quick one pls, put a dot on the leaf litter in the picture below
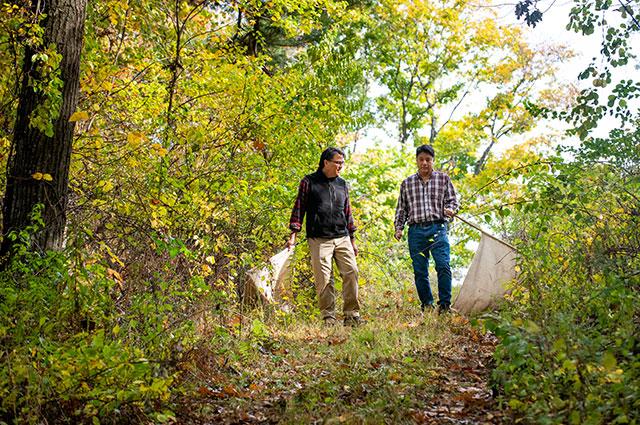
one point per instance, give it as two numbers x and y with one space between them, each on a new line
399 369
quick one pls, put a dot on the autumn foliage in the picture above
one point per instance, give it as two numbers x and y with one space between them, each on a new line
195 121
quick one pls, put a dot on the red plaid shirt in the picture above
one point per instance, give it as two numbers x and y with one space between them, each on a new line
420 201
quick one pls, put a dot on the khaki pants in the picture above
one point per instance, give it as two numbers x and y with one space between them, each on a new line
322 252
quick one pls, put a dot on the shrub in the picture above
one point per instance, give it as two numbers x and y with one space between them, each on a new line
570 344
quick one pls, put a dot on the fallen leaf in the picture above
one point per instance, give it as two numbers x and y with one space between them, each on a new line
235 321
114 275
207 392
258 145
230 391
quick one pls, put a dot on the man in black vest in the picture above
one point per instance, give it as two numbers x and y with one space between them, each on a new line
324 197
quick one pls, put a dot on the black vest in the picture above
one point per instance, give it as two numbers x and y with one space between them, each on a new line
325 206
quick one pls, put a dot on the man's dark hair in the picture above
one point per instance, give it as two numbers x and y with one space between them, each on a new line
328 155
426 149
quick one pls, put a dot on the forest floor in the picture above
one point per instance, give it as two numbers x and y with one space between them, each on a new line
399 367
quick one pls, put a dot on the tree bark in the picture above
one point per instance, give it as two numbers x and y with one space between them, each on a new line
434 132
483 159
34 152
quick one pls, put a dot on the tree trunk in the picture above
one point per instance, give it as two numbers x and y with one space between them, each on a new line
434 133
32 151
483 159
403 135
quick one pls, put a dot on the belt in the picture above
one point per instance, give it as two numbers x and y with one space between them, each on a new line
429 223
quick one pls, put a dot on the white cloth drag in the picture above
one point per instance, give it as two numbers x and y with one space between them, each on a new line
492 267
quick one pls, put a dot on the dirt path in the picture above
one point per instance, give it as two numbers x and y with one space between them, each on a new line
464 395
399 369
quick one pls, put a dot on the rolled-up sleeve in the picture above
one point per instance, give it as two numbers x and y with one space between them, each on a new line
450 197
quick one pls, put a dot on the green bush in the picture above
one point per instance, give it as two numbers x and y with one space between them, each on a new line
81 345
570 344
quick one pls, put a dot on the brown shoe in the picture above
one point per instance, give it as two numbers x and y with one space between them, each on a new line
329 322
354 321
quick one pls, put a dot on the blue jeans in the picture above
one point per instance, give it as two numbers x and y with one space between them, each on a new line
425 239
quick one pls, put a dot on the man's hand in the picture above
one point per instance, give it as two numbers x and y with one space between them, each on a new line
355 248
398 234
449 213
292 241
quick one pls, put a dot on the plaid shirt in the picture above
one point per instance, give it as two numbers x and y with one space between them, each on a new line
300 208
420 201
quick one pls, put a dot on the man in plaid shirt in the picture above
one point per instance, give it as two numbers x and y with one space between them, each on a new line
427 199
324 197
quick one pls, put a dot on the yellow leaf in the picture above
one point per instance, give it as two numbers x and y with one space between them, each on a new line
37 176
47 177
105 185
615 376
135 138
159 149
106 85
116 330
79 116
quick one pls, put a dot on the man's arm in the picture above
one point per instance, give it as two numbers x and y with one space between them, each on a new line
401 213
351 226
450 199
298 211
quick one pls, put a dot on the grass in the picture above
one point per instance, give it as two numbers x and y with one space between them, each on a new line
400 367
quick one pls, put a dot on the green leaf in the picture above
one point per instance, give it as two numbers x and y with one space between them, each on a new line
609 361
532 327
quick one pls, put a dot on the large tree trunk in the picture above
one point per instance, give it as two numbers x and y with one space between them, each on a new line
34 152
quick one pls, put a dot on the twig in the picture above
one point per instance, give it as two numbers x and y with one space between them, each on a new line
626 8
